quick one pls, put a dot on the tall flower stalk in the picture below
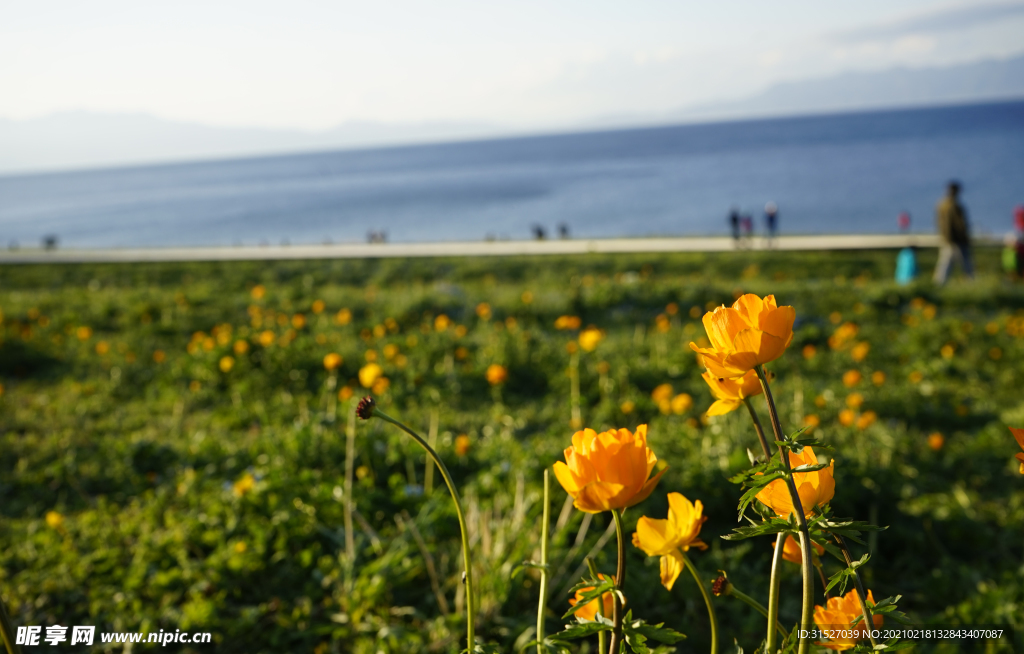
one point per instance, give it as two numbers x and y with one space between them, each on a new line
7 630
368 409
545 528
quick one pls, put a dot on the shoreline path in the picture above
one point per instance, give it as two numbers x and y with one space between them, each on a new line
464 249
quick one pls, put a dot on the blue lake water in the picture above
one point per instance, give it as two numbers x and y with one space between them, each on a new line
848 173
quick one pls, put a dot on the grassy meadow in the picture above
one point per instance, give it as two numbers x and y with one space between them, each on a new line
173 450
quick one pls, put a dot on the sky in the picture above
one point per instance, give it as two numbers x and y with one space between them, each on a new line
525 65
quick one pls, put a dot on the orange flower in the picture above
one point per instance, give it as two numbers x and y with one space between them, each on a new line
847 417
730 393
814 488
851 378
809 351
662 393
837 616
496 374
681 403
665 538
589 612
860 351
936 440
854 400
567 322
1018 434
226 364
867 419
749 333
332 360
608 471
462 444
878 378
792 552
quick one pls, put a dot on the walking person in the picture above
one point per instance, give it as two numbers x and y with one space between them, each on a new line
734 223
951 221
771 220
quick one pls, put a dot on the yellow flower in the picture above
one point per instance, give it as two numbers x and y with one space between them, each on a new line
837 616
730 393
854 400
567 322
867 419
627 407
258 291
936 440
332 360
159 356
298 321
681 403
847 417
608 471
809 351
496 374
380 386
241 347
266 338
1018 434
343 317
462 444
814 488
662 393
370 373
792 552
483 311
345 393
749 333
878 378
226 364
851 378
665 538
589 338
860 351
54 520
318 306
589 611
244 484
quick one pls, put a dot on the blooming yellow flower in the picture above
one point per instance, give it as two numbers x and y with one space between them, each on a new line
442 322
854 400
681 403
809 351
567 322
332 360
380 386
662 393
589 611
608 471
878 378
814 488
837 616
751 332
851 378
370 373
54 520
936 440
589 338
244 484
462 444
241 347
343 317
1018 434
860 351
318 306
483 311
867 419
792 552
730 393
266 338
669 538
226 364
496 374
345 393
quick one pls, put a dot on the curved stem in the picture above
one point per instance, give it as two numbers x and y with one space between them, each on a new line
620 578
464 532
758 429
807 608
707 601
859 585
7 630
601 635
754 604
545 522
773 594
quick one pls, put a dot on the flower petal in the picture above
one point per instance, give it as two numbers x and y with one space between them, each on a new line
722 407
598 496
671 565
647 488
655 537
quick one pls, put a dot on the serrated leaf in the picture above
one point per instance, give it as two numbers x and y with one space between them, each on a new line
597 590
581 630
658 632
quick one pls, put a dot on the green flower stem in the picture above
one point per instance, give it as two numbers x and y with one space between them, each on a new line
859 585
574 390
773 594
620 578
464 532
760 431
350 462
707 601
545 522
601 636
754 604
807 609
7 630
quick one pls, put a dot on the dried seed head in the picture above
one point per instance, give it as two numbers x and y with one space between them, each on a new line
365 408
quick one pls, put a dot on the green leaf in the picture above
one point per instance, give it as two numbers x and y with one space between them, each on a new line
657 632
581 630
811 467
768 527
528 564
597 589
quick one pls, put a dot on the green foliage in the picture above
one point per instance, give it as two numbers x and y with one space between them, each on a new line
206 499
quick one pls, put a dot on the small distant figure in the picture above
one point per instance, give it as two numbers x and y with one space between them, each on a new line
563 231
373 236
747 227
906 265
951 220
771 221
734 224
539 233
903 222
50 242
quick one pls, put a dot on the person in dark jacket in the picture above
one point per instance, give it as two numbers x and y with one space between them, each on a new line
954 232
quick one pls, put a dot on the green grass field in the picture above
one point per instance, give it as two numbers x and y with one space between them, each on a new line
147 482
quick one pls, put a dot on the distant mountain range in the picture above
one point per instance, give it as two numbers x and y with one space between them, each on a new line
81 139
